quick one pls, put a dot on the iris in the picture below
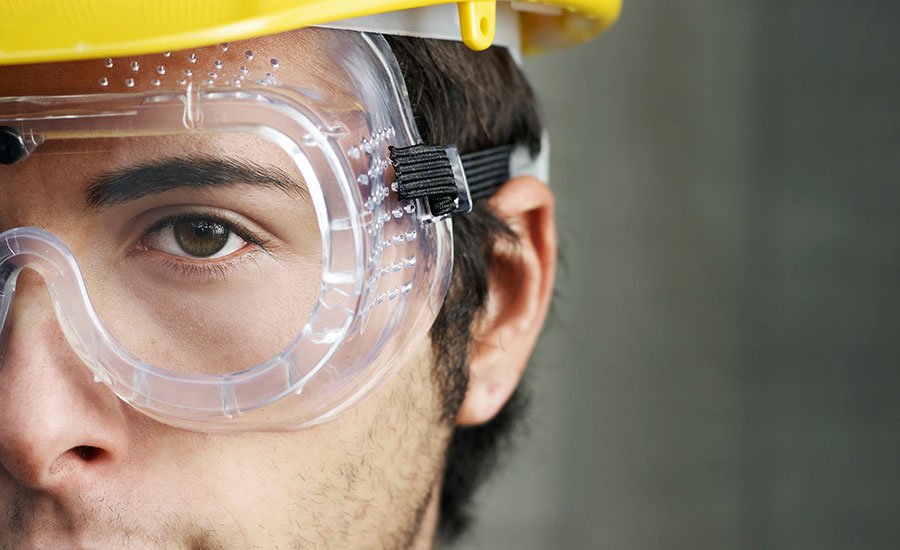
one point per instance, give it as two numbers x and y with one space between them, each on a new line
201 238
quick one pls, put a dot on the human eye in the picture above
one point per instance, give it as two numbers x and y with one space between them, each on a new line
200 238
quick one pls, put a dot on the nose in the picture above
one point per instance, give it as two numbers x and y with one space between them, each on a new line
58 428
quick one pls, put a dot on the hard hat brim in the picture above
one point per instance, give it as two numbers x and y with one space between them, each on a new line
88 29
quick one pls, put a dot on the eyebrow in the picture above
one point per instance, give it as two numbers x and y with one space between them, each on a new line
132 183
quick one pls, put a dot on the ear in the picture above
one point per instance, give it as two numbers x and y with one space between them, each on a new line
521 285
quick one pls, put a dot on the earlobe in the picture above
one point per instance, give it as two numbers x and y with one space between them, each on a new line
521 285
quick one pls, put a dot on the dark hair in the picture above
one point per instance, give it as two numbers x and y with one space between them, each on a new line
475 100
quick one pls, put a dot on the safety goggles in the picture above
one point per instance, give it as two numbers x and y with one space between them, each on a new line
267 237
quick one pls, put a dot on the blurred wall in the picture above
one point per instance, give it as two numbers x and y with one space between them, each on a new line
723 370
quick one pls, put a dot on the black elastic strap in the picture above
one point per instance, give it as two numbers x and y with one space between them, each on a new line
486 170
425 171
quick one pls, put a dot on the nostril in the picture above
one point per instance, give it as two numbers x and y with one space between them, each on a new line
74 460
86 452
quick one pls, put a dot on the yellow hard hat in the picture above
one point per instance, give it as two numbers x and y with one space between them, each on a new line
62 30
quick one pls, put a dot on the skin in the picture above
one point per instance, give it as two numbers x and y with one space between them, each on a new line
79 468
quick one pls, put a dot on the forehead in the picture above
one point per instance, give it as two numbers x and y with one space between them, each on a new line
307 58
304 56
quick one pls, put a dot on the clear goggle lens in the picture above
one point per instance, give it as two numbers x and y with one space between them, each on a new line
238 255
205 253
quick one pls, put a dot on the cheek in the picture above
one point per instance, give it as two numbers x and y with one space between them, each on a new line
361 477
203 331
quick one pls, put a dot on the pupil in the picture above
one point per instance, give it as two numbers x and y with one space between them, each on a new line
201 238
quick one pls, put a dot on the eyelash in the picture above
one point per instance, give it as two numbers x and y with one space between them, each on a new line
208 268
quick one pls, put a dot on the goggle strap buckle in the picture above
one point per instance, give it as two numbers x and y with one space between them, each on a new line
434 173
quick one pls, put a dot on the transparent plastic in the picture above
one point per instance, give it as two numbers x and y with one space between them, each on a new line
384 270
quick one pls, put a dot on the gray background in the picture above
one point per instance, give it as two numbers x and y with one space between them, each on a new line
724 367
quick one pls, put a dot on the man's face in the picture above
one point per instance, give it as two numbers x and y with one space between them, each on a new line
80 467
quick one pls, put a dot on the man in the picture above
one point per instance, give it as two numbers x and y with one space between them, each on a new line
229 318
